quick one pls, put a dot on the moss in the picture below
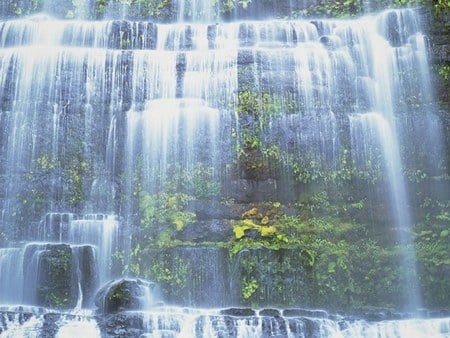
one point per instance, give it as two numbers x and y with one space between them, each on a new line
168 269
120 294
249 287
160 10
77 171
164 210
335 9
54 287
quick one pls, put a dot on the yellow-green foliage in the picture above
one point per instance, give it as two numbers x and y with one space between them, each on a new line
248 224
174 275
165 209
444 71
441 6
254 219
77 171
249 287
229 5
44 162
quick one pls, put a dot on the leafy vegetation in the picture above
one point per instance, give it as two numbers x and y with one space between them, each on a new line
444 71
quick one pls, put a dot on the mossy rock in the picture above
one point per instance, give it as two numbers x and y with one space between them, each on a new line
55 287
125 295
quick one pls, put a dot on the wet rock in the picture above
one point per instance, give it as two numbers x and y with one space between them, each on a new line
55 226
439 314
305 327
268 325
126 325
203 231
330 42
59 270
377 315
211 34
397 26
392 30
252 233
86 273
305 313
200 270
55 285
132 35
50 326
211 210
270 312
126 294
7 317
247 190
239 312
247 34
245 57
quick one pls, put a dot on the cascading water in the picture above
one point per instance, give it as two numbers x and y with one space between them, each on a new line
189 131
373 124
12 279
197 10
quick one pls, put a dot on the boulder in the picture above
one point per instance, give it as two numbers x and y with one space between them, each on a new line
54 285
60 270
126 294
238 312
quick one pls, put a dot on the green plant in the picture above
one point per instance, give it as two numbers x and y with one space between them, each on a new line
444 71
249 287
440 7
165 209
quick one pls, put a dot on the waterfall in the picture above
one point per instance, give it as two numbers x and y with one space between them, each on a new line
374 127
203 324
11 284
196 10
232 161
100 231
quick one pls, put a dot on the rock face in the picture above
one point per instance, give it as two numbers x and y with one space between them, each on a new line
59 275
126 294
86 273
124 325
207 276
254 181
54 286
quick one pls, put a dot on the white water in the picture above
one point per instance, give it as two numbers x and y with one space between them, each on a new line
71 328
99 230
179 322
178 91
103 233
196 10
20 267
14 328
321 66
11 281
32 325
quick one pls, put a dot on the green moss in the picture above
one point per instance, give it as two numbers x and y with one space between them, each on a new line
160 10
58 300
77 171
165 209
335 9
249 287
444 71
240 228
53 284
227 6
120 294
